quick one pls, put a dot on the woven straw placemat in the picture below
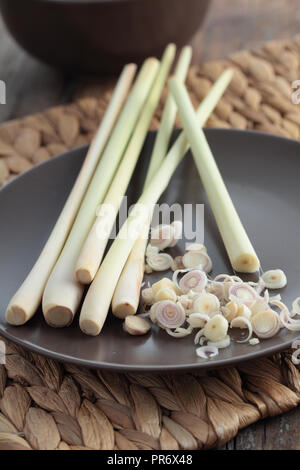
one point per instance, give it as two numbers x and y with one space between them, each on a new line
47 405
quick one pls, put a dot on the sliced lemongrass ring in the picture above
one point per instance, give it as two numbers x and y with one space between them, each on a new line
220 344
162 236
223 278
153 312
177 226
197 320
206 303
296 307
206 352
160 262
216 328
244 293
236 279
274 279
242 322
147 296
216 288
193 280
196 259
288 322
151 251
179 332
296 354
198 336
195 247
266 324
260 305
136 325
176 274
169 314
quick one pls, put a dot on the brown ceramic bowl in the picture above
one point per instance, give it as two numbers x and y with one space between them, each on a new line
101 35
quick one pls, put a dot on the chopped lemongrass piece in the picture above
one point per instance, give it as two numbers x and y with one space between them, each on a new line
177 151
224 343
296 307
274 279
186 302
98 298
160 262
244 311
164 283
198 320
26 300
207 352
242 322
195 247
159 152
148 270
136 325
216 328
193 280
177 263
151 251
206 303
266 324
147 296
179 332
240 251
296 354
63 293
177 226
166 294
243 293
254 341
94 246
162 236
197 259
230 310
169 314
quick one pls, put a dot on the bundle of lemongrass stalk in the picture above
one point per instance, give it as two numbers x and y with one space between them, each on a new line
74 253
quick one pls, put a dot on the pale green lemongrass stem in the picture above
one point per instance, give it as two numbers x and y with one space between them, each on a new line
26 300
126 297
97 302
63 293
238 246
94 246
164 133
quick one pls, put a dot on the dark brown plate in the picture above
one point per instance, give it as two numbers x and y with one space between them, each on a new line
262 174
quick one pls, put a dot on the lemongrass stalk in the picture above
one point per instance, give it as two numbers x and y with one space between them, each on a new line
94 246
97 302
162 140
126 297
238 246
63 293
26 300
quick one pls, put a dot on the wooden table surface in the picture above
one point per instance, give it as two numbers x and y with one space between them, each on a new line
230 25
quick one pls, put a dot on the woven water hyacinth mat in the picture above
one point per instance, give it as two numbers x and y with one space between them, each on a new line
47 405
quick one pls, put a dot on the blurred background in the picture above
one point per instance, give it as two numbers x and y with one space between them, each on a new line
227 26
